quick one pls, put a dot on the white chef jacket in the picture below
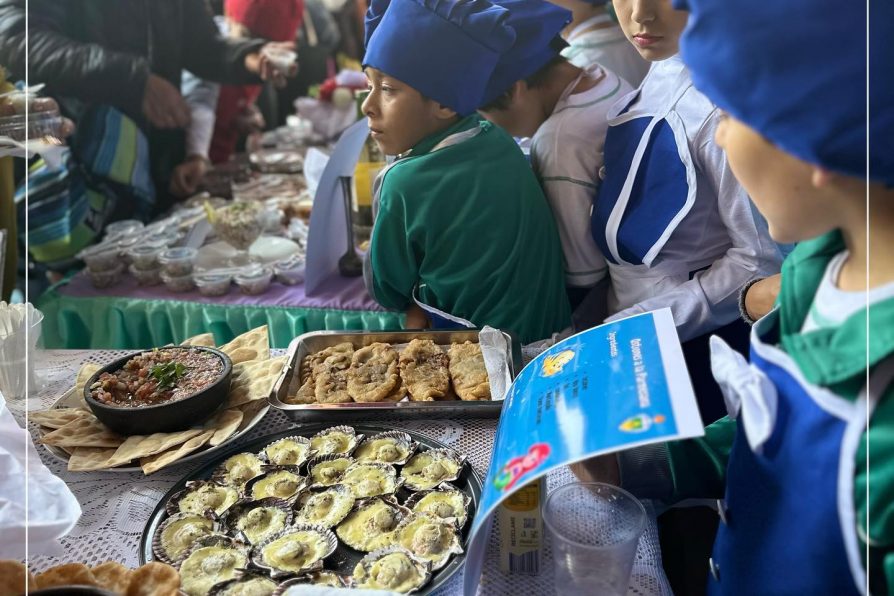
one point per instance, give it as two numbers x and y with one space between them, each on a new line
566 154
721 244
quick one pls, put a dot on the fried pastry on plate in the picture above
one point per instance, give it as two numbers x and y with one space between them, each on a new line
423 369
468 372
373 375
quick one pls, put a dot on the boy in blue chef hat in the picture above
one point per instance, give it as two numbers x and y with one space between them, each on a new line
462 228
594 37
804 510
535 92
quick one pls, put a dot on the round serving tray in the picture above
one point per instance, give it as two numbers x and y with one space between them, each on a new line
344 559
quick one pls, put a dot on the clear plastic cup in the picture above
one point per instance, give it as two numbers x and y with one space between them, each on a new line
101 257
178 261
595 529
147 276
254 280
105 278
145 256
177 283
124 227
15 378
290 272
281 58
212 284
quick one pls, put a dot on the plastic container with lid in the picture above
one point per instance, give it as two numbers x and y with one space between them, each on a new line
177 283
254 280
212 284
290 272
101 257
107 277
43 116
124 227
178 261
145 256
146 277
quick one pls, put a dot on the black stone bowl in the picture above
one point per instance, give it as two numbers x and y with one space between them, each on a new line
167 417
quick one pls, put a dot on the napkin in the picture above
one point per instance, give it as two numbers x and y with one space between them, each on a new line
51 510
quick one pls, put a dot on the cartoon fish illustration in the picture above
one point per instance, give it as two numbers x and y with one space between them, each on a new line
553 364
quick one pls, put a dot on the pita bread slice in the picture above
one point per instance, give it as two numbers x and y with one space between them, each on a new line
253 380
139 446
223 425
57 417
85 431
154 463
112 576
88 459
250 410
254 345
205 339
87 371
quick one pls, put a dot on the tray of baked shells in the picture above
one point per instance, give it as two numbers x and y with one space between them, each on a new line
357 507
349 375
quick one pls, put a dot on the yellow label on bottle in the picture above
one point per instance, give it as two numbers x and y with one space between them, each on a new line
364 176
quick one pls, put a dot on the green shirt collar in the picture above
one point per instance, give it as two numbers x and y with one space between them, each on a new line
828 356
428 143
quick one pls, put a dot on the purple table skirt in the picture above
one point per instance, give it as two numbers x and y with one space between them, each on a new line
339 293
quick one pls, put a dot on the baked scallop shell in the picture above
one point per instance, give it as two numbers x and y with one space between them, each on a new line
446 502
249 583
211 560
201 496
370 526
428 538
238 469
327 470
176 535
298 549
393 447
288 451
281 482
255 521
341 440
392 568
428 469
371 479
326 507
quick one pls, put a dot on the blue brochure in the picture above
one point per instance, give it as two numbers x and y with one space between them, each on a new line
617 386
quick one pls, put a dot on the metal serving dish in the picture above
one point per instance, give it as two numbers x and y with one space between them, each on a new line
309 343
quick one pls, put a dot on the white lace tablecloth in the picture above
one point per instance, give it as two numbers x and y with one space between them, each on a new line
116 506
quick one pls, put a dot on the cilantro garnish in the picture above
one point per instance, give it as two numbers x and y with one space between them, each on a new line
167 374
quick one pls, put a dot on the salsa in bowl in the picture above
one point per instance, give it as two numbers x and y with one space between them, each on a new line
161 390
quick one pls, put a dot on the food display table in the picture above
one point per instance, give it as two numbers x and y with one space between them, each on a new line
129 316
117 505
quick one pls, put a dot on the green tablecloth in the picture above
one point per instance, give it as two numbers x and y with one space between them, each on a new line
78 317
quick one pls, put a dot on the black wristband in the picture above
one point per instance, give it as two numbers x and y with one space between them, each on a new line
743 312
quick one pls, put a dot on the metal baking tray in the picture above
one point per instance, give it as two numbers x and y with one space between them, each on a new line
309 343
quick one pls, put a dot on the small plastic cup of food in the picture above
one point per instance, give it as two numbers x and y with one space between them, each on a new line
146 277
289 272
177 283
282 59
145 256
106 278
254 281
43 116
124 227
178 261
101 257
212 284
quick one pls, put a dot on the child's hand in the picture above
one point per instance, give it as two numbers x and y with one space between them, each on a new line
416 318
598 469
761 296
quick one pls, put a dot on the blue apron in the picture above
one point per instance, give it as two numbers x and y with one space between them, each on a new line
649 185
788 522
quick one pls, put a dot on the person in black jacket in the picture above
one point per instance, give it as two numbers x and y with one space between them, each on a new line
129 54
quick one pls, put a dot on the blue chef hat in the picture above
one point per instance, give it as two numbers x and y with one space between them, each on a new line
795 71
445 49
537 26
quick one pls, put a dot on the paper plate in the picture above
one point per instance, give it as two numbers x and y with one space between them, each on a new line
266 249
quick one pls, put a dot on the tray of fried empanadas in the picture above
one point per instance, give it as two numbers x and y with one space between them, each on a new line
427 374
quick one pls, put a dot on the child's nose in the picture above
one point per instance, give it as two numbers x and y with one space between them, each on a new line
643 11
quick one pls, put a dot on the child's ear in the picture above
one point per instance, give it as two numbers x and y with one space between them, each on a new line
442 112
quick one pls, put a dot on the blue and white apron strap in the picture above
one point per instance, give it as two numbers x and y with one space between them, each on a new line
439 318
